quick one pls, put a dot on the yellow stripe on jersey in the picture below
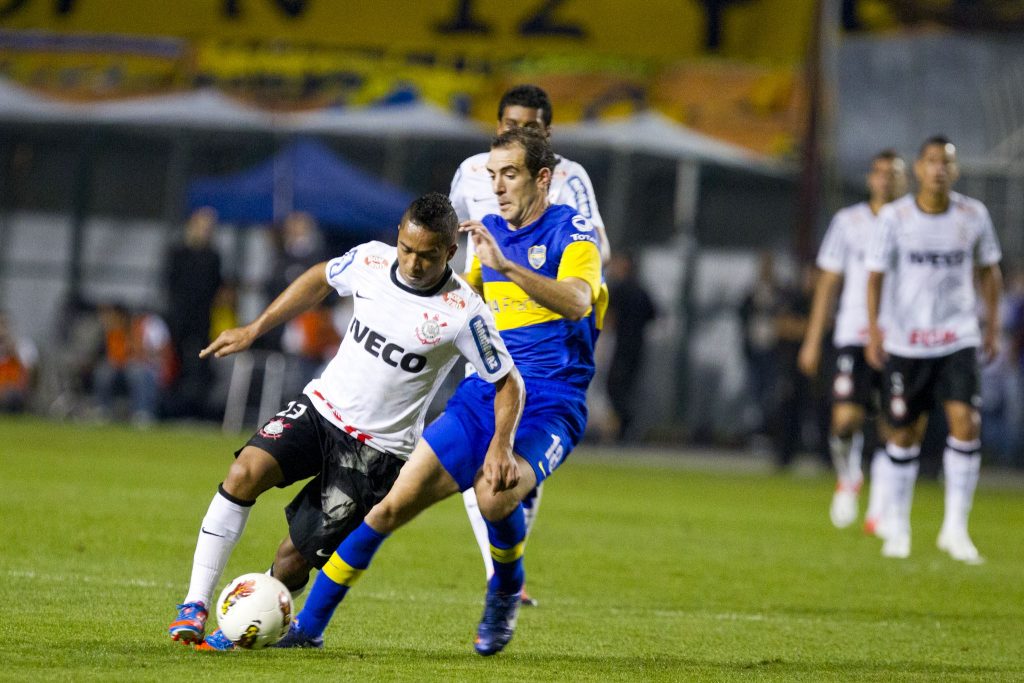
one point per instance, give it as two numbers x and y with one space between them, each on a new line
475 274
341 572
506 555
514 308
583 260
601 306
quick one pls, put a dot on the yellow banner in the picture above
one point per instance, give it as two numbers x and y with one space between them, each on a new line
772 31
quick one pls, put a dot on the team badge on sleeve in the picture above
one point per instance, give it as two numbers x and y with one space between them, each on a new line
537 255
581 224
454 300
376 262
339 264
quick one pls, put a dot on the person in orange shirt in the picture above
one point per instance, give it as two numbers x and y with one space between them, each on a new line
138 355
14 372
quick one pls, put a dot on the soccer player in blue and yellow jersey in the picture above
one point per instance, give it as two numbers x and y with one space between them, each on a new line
539 268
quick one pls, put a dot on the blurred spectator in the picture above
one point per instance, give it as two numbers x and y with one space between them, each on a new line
630 310
760 338
313 340
301 247
138 356
17 362
78 347
1002 393
193 279
799 405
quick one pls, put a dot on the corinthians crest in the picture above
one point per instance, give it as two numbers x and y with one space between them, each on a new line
537 255
429 331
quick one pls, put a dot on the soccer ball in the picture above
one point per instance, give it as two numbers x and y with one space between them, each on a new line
254 611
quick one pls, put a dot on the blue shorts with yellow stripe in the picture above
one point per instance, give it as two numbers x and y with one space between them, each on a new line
554 418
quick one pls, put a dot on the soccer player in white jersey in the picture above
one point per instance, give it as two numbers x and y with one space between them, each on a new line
855 384
522 106
353 427
933 246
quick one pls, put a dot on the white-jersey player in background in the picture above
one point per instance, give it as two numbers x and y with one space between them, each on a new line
855 384
933 246
523 106
353 427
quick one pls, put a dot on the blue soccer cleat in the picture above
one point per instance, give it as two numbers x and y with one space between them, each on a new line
215 642
190 624
296 637
498 623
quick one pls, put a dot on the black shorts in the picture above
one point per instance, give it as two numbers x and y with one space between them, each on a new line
349 477
914 386
854 381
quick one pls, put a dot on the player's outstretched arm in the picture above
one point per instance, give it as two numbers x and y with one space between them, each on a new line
570 297
500 470
306 291
821 309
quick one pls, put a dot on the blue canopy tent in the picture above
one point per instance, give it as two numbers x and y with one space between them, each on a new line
304 176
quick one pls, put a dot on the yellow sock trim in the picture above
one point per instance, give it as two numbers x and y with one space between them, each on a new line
341 572
506 555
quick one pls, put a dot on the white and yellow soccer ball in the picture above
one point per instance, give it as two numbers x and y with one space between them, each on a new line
254 611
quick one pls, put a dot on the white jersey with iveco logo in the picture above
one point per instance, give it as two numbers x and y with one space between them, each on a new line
842 251
931 259
398 348
473 198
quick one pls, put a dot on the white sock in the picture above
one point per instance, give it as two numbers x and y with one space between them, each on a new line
476 520
961 462
880 469
531 506
839 448
222 526
856 455
903 470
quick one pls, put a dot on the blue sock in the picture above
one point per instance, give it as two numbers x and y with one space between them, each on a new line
332 583
508 540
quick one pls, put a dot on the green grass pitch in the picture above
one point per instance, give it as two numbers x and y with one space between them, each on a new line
645 570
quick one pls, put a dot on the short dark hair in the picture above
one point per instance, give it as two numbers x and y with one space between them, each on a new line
887 154
527 96
536 145
940 140
435 213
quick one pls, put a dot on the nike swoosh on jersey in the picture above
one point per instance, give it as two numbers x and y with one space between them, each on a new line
321 553
210 533
482 199
361 296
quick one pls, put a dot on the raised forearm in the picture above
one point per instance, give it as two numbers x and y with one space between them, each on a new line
304 293
570 297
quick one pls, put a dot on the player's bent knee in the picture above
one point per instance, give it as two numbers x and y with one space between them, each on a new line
964 421
253 472
847 419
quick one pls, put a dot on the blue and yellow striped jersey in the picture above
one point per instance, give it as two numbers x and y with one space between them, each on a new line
558 245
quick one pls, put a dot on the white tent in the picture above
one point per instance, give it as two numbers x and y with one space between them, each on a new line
654 133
